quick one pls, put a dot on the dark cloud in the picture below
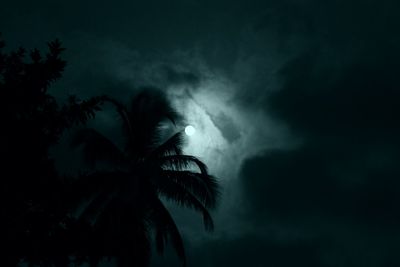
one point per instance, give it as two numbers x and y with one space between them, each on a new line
316 181
258 251
348 25
252 251
344 173
174 76
227 126
339 97
336 35
329 99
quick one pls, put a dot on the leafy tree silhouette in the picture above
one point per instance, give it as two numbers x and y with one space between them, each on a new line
124 207
33 205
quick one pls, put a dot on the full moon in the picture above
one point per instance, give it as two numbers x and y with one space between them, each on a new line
190 130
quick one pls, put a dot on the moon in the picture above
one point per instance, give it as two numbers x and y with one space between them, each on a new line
190 130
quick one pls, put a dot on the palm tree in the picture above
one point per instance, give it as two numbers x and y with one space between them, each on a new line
124 206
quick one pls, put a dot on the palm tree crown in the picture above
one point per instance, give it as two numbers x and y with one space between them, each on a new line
124 204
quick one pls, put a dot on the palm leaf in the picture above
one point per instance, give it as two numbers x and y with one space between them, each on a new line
151 107
98 188
203 186
173 146
124 113
179 194
166 228
182 162
96 205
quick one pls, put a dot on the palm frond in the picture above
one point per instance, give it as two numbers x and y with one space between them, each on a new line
165 229
177 193
173 146
127 233
124 113
203 186
98 189
97 147
182 162
151 107
96 205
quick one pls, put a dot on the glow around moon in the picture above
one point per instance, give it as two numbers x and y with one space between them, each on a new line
208 143
190 130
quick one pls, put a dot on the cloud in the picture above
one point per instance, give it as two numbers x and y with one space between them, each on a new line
252 251
317 181
324 98
257 251
227 127
339 98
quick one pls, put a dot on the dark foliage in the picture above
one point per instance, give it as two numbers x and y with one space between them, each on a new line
124 205
34 207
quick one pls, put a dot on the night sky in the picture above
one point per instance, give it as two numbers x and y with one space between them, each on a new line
295 105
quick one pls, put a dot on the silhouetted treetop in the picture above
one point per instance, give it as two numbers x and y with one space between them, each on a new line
147 169
33 197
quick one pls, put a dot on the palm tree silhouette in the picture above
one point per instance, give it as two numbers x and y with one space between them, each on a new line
124 206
